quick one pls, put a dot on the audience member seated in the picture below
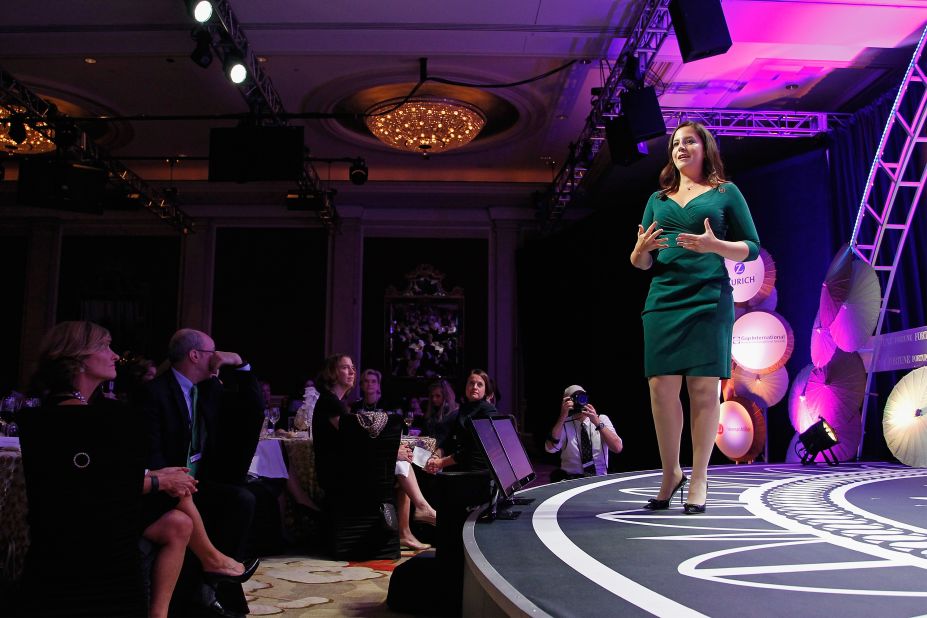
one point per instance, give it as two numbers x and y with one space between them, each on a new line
408 493
441 405
210 425
85 476
355 465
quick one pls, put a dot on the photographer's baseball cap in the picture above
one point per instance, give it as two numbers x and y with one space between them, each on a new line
568 392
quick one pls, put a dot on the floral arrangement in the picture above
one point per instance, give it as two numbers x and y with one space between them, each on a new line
304 414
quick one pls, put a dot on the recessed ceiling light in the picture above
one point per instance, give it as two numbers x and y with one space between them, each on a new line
791 86
262 58
89 60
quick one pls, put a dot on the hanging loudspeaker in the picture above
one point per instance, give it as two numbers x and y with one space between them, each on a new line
700 28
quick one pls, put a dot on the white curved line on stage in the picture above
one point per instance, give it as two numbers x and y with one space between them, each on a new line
753 502
723 576
549 532
839 496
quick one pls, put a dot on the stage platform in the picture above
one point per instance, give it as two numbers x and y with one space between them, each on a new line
776 540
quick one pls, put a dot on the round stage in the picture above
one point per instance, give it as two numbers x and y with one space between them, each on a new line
776 540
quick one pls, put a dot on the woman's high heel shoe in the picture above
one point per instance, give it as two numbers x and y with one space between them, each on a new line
655 504
694 509
250 568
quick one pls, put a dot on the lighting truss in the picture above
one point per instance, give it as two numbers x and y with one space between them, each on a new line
901 180
649 32
15 93
647 36
755 123
258 91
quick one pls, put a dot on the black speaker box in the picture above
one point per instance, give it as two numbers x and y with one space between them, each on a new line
700 28
640 120
50 182
246 154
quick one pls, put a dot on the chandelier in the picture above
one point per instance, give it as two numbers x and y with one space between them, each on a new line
425 124
18 137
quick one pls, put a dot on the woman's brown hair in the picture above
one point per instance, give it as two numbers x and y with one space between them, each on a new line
329 374
62 353
712 167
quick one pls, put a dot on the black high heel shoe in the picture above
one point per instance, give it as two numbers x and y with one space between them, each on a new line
694 509
655 504
250 568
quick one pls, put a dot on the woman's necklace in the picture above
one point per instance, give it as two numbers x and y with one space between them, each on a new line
79 396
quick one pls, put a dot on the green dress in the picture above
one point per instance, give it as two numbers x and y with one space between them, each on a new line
689 313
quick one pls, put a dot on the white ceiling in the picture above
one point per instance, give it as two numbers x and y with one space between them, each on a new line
319 52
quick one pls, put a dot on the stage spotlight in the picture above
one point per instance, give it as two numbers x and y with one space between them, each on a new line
201 10
819 438
202 55
358 171
17 129
235 68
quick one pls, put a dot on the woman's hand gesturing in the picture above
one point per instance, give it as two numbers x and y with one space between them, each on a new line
649 239
700 243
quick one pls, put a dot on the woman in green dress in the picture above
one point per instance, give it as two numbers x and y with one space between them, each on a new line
690 226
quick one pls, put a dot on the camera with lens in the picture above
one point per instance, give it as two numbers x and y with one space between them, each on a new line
580 399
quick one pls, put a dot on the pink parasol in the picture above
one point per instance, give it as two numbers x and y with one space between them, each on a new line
904 422
765 389
822 344
850 300
834 392
765 304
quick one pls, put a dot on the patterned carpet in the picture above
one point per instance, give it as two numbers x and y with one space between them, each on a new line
293 586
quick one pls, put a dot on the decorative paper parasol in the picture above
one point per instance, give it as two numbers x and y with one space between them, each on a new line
834 392
905 419
762 341
765 304
850 299
765 389
822 344
741 430
754 280
848 436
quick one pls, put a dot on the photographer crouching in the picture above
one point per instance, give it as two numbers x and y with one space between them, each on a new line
582 437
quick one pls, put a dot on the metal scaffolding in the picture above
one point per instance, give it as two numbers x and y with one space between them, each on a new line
894 190
263 101
18 99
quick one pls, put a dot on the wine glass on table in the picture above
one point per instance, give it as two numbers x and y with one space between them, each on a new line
273 415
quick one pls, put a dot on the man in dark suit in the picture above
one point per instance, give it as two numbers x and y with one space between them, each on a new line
205 413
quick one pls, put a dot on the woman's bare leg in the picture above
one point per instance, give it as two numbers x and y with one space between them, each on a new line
667 420
409 485
172 533
705 411
213 560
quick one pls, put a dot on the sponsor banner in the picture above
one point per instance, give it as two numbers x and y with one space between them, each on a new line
735 430
905 349
761 341
746 278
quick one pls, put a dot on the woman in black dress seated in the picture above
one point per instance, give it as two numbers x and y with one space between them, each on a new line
461 453
83 459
